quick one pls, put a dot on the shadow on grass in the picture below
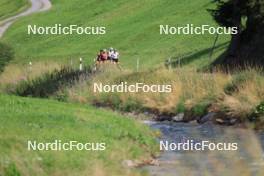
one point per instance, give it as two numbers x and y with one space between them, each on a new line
190 57
48 83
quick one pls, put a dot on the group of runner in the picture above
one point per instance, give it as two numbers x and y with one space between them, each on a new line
110 55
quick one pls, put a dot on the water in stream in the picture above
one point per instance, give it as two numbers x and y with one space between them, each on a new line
247 160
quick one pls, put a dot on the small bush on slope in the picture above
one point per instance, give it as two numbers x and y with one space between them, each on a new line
6 55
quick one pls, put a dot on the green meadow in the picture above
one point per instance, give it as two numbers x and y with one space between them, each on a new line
24 119
9 8
132 27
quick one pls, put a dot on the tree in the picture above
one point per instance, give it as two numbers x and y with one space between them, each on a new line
248 17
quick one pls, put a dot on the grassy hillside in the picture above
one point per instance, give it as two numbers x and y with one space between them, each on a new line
8 8
132 27
24 119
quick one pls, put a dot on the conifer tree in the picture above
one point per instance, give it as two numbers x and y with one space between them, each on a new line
248 17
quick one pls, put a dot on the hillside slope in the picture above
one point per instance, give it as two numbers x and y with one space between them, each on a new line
132 27
8 8
44 121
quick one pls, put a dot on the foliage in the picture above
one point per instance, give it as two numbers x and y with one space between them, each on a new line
48 83
246 46
260 109
180 108
11 170
238 80
258 113
228 11
6 54
200 108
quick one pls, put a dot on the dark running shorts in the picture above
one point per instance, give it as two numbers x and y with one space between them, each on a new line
115 60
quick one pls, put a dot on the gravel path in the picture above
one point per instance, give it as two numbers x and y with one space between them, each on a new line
36 6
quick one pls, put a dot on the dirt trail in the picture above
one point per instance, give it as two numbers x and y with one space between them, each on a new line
36 6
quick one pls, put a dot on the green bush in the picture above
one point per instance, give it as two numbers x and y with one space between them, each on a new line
180 107
6 54
200 109
115 101
131 105
238 80
257 113
260 108
61 95
49 83
257 117
11 170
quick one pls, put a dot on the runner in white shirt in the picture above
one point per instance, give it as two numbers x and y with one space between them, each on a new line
115 56
110 54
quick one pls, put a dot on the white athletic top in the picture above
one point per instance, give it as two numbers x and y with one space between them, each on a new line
110 53
115 55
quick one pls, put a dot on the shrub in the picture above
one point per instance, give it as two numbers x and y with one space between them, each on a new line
131 105
49 83
258 112
238 80
11 170
260 109
6 54
61 95
180 107
200 109
115 101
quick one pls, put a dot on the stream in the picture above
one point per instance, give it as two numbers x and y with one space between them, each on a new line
247 159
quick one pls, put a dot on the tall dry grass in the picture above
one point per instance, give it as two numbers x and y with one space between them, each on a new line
234 94
13 73
188 86
191 91
249 93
